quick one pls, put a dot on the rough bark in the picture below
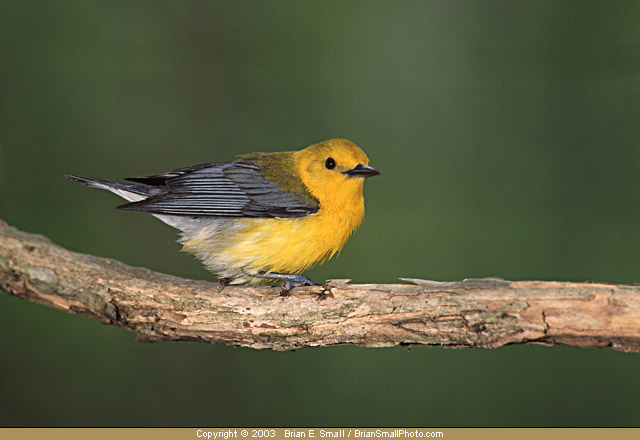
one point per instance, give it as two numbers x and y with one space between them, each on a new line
485 313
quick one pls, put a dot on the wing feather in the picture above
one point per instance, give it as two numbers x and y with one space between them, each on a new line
235 189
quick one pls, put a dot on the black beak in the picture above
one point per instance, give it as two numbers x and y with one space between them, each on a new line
362 171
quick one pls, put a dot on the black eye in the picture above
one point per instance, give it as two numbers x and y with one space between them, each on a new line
330 163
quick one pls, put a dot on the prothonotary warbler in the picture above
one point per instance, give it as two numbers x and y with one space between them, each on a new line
265 216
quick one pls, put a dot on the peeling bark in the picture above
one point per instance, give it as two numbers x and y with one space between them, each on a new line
484 313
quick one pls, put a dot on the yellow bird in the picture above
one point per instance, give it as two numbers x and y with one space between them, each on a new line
265 216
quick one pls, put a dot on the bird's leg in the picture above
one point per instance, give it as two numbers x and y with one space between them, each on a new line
289 281
296 279
222 283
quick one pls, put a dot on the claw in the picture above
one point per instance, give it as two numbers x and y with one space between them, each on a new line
222 283
285 288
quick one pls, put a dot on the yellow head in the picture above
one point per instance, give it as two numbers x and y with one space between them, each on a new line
334 172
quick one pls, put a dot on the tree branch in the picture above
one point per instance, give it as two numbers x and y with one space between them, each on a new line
483 313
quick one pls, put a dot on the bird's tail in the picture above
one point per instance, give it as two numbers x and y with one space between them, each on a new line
136 192
128 191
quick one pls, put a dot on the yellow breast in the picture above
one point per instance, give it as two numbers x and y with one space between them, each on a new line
294 244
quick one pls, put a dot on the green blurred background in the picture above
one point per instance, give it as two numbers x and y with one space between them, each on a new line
507 133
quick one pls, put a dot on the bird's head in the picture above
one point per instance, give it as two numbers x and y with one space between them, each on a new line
334 170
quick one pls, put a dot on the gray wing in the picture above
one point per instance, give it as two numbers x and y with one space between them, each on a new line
235 189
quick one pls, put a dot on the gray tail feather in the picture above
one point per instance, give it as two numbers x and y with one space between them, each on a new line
134 193
141 190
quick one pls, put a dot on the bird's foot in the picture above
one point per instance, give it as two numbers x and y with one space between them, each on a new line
285 288
289 281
